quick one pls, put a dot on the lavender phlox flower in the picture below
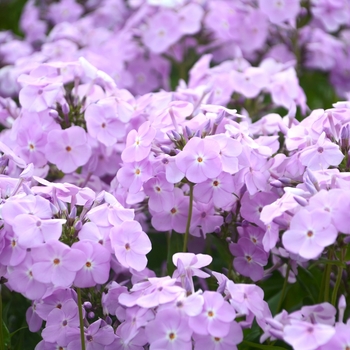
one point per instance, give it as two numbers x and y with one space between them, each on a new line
128 338
97 335
307 336
61 323
246 298
310 232
215 318
110 297
169 330
323 313
130 244
249 258
321 155
229 342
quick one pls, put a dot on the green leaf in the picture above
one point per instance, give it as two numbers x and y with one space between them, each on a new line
328 262
308 283
6 335
175 242
261 346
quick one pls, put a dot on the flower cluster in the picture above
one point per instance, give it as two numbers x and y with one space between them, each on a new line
97 165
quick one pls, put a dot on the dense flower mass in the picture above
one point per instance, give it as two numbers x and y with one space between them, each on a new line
164 183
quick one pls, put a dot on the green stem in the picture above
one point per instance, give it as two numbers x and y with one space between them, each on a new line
338 280
188 225
285 283
337 284
81 320
2 340
327 272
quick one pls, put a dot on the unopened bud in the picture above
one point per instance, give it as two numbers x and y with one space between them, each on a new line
282 223
62 205
313 179
54 209
27 173
91 314
53 113
166 149
170 135
176 135
189 132
197 134
65 108
217 230
300 200
220 117
285 180
108 320
78 225
276 183
87 305
73 213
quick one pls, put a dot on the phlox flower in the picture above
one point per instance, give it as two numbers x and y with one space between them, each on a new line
190 305
176 217
220 190
33 320
169 331
160 192
138 143
102 123
200 159
204 219
31 205
340 340
133 175
21 280
130 244
251 206
307 336
32 231
279 11
134 316
68 148
12 253
54 298
215 318
229 342
38 98
249 259
230 149
57 263
97 336
97 265
91 232
61 322
162 31
128 338
246 298
255 172
30 145
310 232
191 264
190 17
321 155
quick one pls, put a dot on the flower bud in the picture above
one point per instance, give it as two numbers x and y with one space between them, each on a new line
300 200
176 135
276 183
87 305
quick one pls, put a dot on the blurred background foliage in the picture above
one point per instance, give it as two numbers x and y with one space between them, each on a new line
10 13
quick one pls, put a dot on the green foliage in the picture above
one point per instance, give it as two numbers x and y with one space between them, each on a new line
10 12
